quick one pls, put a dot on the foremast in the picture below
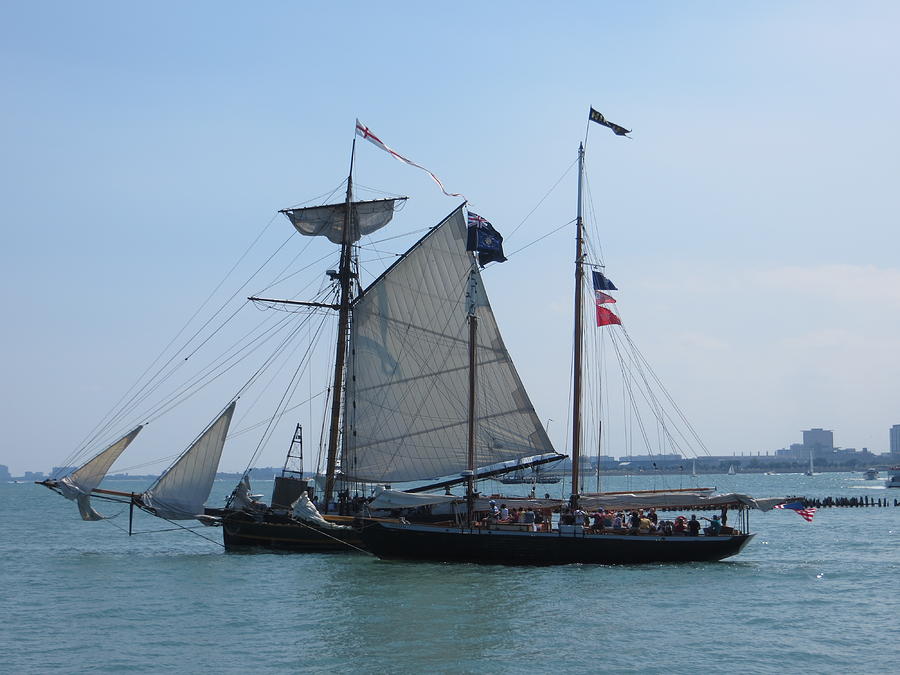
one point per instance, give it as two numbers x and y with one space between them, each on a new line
344 279
579 333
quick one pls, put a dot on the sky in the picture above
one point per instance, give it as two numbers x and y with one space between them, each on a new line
749 223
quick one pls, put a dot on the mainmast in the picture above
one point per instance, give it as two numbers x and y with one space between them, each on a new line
473 365
579 330
344 278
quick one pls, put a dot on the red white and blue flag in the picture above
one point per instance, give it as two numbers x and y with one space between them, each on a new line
604 316
802 511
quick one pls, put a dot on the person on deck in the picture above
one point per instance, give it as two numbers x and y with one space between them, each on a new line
580 517
693 526
645 525
635 520
504 514
680 525
528 517
714 527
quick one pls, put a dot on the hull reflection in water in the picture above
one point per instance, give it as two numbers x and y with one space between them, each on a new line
398 541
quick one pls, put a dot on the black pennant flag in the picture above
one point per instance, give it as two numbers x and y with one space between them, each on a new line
597 117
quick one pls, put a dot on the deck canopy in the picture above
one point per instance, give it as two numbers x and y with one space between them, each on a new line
397 499
675 500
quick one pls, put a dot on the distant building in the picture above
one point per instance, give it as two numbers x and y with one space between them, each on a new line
818 441
796 451
4 474
895 440
34 475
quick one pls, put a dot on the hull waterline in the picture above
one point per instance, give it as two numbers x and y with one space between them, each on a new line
395 541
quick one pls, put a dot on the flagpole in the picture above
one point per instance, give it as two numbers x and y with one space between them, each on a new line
344 274
579 331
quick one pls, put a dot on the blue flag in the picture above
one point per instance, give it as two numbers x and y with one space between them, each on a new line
601 283
484 240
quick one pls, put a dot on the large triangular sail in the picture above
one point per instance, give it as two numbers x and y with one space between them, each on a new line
407 393
77 485
328 221
181 492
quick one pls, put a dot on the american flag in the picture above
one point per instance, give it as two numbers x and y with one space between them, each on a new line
804 512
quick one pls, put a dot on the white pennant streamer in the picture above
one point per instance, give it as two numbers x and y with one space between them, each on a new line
363 130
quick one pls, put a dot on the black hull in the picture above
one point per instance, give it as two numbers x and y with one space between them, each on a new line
394 541
241 533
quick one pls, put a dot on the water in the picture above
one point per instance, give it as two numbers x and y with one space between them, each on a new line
814 597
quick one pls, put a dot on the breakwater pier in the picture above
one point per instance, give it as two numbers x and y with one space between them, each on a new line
846 502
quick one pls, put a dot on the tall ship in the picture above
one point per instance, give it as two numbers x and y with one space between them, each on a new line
397 395
477 536
423 394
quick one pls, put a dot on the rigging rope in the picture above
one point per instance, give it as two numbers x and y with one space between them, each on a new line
103 424
542 199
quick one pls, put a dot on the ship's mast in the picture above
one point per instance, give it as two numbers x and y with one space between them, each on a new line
344 278
579 330
473 373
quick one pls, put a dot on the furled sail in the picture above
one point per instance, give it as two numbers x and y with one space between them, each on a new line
181 492
407 394
243 499
328 221
77 485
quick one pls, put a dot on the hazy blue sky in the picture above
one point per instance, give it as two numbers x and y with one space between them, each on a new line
751 223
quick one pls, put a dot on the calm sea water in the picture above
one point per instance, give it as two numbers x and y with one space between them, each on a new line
819 597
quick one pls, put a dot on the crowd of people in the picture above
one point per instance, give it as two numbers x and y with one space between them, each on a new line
636 521
539 519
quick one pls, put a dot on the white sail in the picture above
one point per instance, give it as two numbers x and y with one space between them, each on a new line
181 492
77 485
407 394
328 221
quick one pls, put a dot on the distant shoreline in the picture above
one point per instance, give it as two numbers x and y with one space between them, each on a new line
266 474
